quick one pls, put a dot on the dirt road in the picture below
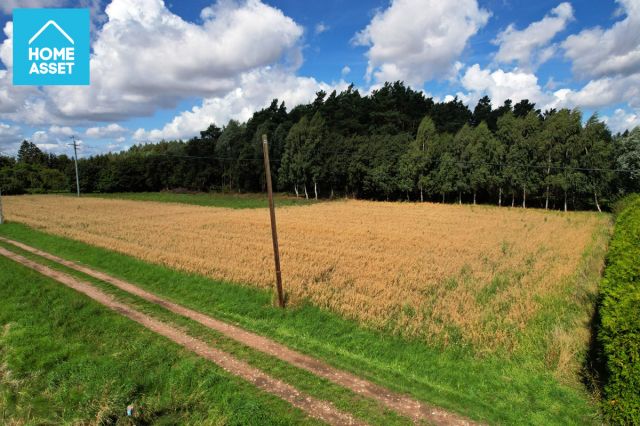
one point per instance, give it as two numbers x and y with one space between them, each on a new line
416 410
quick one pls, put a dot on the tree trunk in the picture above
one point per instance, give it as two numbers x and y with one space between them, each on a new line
443 198
460 197
546 199
524 198
500 197
421 195
295 188
513 199
331 196
315 189
474 198
306 194
565 201
408 198
595 197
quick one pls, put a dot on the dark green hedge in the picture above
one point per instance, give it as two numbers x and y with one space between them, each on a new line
619 332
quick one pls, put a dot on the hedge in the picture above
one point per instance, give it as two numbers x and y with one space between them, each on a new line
619 332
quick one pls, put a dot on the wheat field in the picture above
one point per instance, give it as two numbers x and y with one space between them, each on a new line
432 271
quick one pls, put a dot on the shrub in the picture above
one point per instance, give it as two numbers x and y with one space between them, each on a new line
619 331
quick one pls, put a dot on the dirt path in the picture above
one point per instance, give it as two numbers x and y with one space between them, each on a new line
316 408
416 410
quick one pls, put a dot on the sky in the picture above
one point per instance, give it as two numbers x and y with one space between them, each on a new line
168 69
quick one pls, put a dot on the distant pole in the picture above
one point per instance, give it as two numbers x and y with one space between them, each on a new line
75 156
272 212
1 214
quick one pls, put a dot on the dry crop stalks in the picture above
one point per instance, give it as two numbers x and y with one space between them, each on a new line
439 272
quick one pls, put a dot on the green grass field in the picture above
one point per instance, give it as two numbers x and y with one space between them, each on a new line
65 359
213 199
504 388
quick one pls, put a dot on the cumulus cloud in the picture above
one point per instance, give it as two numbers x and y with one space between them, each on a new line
501 85
607 91
256 90
419 40
530 47
518 84
622 120
113 130
10 137
61 131
597 52
145 58
7 6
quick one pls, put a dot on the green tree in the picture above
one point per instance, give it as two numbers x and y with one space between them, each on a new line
480 155
628 161
29 153
597 159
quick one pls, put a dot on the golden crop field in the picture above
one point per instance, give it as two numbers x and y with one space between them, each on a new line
433 271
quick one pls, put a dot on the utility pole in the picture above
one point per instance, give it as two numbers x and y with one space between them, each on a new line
75 156
1 213
272 212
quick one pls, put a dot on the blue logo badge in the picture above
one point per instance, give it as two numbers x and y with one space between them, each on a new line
51 47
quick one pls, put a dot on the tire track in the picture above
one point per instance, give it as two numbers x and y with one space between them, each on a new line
316 408
402 404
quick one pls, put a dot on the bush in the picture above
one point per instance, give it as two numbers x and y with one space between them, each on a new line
619 332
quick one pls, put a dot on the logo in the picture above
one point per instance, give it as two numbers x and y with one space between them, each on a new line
50 47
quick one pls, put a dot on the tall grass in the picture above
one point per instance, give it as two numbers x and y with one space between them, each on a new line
460 275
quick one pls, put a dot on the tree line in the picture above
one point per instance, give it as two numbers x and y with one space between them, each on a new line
394 144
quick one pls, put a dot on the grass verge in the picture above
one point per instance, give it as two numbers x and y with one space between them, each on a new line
65 359
304 381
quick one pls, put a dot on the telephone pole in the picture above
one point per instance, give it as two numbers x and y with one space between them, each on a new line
75 157
1 213
272 212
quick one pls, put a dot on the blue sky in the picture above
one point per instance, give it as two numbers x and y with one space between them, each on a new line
167 69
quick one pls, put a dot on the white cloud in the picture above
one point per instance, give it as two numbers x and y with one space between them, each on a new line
61 131
10 137
517 85
501 85
530 47
321 27
622 120
40 137
256 90
598 53
7 6
419 40
146 58
608 91
345 70
113 130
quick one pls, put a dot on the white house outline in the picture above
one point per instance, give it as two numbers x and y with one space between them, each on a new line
45 26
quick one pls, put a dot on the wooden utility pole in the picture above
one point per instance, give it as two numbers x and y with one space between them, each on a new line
75 156
272 212
1 213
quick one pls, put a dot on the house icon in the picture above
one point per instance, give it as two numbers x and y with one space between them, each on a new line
47 25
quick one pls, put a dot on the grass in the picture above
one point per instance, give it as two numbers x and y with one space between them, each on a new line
499 387
304 381
212 199
65 359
